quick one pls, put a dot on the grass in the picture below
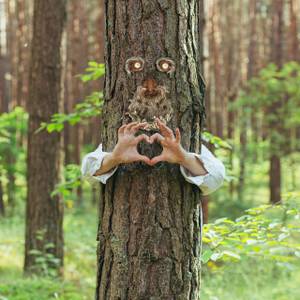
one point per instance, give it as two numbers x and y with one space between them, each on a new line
80 261
252 280
245 280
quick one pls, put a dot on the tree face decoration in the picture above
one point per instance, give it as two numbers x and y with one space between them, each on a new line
134 65
150 98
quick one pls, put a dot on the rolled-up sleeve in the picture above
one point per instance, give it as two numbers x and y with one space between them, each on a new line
210 182
92 162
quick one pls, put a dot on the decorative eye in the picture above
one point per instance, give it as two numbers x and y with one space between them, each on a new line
165 65
134 65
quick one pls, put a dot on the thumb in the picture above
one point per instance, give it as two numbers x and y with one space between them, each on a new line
144 158
157 159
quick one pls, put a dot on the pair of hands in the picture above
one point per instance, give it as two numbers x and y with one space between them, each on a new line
125 150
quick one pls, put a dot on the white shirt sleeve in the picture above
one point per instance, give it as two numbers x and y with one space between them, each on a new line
210 182
92 162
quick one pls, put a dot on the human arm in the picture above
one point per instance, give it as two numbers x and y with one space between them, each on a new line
93 162
100 165
203 170
215 175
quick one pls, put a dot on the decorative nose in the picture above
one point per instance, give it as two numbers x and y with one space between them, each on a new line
150 85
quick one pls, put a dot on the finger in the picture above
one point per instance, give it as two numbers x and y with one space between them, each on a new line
142 137
157 159
144 158
121 129
156 136
166 131
135 128
178 135
128 126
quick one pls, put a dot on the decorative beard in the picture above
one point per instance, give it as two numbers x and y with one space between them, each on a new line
149 103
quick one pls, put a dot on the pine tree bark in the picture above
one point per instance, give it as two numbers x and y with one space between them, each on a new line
44 213
251 71
2 206
293 32
277 40
3 108
150 217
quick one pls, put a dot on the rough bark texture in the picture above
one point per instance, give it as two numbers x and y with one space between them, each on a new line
2 207
150 217
3 108
44 213
251 71
277 39
293 32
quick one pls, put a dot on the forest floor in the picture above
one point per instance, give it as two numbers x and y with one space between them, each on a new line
247 280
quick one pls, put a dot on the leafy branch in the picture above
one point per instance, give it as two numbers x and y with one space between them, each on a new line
90 107
265 231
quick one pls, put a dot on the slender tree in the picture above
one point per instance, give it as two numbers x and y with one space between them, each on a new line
293 32
150 217
9 66
3 97
2 207
216 79
251 71
22 52
277 57
44 214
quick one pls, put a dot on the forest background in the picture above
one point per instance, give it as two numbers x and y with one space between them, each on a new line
251 66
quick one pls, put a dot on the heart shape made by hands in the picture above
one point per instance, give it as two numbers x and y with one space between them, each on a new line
151 150
161 146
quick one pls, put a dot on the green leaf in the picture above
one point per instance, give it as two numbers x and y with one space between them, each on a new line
35 252
51 127
49 246
206 256
216 256
283 236
232 254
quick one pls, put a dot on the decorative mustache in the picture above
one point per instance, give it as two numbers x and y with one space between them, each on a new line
149 103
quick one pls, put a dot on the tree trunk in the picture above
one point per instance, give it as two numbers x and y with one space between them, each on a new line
44 214
277 40
150 217
293 33
3 107
217 83
2 206
252 68
251 71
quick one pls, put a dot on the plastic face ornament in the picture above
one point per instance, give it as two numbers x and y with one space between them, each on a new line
150 99
165 65
134 65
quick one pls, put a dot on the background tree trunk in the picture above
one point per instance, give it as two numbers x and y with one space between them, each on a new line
150 217
251 71
275 127
44 214
2 207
